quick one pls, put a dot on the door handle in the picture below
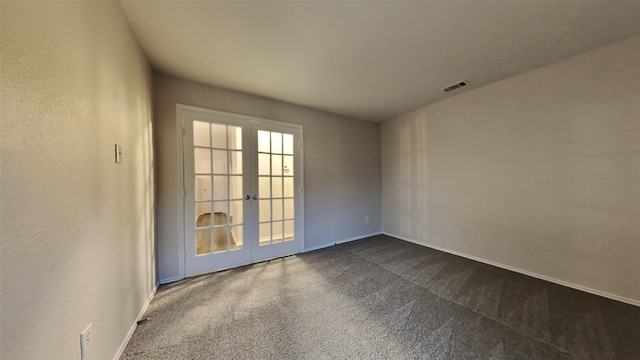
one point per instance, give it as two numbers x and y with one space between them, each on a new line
247 197
255 197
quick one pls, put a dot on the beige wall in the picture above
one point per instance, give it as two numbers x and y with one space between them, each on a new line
341 170
540 172
77 241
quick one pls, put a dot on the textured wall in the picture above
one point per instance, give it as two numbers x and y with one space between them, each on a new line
77 229
540 171
341 164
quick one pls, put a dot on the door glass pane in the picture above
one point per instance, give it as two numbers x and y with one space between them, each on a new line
288 187
236 237
220 218
277 186
219 136
264 188
288 165
288 230
277 209
235 208
202 161
276 143
264 141
279 168
219 239
264 166
220 188
203 214
220 161
203 242
235 182
220 207
235 137
201 134
288 209
265 210
235 165
277 231
287 144
265 234
276 165
202 187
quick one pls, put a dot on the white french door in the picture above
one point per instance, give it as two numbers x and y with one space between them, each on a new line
275 184
242 189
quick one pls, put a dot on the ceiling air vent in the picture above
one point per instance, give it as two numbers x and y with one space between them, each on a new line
455 86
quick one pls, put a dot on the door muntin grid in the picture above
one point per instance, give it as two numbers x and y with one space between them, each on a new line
218 157
276 194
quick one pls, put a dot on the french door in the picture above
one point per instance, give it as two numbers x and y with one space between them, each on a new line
243 190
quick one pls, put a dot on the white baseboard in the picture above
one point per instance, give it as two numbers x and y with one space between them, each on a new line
522 271
135 323
170 280
318 247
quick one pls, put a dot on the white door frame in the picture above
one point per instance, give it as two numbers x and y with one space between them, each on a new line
180 190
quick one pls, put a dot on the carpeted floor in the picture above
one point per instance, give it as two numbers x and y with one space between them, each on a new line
381 298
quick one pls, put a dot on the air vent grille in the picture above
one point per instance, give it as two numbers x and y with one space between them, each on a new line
455 86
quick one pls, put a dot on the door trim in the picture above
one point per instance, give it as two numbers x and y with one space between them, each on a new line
180 190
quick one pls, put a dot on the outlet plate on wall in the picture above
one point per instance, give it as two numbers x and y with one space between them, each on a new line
86 341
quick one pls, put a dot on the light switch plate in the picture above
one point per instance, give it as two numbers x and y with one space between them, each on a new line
118 154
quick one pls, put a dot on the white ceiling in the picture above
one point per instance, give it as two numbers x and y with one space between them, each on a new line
368 60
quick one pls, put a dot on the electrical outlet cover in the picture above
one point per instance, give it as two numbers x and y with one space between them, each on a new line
86 341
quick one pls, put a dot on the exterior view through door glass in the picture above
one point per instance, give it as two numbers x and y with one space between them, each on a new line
242 190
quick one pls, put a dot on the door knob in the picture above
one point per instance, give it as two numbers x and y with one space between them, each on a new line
247 197
255 197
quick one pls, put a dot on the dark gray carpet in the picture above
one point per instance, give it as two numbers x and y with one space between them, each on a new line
381 298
